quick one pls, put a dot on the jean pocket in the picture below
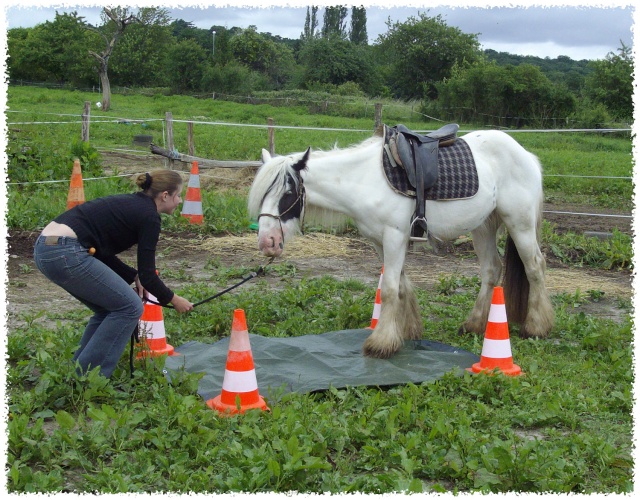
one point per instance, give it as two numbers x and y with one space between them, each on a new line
54 267
59 266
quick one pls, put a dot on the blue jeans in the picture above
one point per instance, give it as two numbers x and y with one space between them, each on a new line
116 306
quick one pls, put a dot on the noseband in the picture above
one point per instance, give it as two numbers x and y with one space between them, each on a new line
301 196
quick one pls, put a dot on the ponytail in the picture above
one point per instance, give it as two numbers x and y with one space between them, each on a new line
159 181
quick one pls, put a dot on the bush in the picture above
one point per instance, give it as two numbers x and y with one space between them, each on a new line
590 115
235 79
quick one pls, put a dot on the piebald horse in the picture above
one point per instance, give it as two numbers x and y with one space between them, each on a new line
351 181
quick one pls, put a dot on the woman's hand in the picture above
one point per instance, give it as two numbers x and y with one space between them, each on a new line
181 304
142 293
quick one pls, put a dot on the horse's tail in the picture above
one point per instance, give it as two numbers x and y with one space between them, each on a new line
515 281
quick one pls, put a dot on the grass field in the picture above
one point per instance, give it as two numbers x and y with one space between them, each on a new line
566 426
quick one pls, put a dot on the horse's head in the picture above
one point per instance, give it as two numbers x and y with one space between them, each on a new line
276 200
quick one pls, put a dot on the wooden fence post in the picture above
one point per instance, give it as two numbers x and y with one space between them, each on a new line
190 142
170 147
86 114
272 144
378 116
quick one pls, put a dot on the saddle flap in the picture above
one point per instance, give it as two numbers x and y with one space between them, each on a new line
405 152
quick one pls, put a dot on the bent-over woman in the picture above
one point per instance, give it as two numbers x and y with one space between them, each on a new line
78 251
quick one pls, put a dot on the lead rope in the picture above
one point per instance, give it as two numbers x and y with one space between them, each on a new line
135 338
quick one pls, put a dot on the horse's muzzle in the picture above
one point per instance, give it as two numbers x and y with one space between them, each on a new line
271 243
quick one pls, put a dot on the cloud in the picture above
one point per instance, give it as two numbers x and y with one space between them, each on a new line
580 32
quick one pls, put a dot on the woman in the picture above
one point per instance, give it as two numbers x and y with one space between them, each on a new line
78 251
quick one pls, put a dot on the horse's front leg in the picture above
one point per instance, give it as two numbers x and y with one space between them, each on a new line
399 315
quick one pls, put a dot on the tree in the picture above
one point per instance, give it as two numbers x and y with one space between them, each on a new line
185 66
310 24
334 24
118 20
421 52
358 32
55 51
487 93
223 54
611 83
261 54
336 62
252 49
140 57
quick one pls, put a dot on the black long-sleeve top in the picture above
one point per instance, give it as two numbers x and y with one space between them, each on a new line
112 224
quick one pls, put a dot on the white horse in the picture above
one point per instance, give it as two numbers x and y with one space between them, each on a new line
352 182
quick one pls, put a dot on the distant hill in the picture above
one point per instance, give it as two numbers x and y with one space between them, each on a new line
560 69
563 64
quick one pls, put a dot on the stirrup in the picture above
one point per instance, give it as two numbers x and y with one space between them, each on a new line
422 222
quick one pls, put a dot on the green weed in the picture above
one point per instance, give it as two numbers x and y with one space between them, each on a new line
564 426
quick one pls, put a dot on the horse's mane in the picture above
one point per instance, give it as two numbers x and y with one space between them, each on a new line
273 174
320 153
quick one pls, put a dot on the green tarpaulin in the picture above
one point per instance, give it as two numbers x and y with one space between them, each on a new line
316 362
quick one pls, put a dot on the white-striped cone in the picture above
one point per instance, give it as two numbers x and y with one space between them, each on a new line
239 386
152 322
496 349
377 305
192 206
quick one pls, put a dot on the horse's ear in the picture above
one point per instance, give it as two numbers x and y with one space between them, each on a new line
301 164
266 156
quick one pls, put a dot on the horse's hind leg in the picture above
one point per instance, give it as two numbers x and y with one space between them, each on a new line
534 312
484 243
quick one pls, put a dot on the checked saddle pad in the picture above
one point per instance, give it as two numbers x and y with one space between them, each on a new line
457 174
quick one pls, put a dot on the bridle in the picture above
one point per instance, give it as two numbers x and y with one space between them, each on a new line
302 196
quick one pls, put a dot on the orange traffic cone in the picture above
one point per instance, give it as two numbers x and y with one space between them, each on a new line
152 323
496 349
377 305
192 206
239 386
76 189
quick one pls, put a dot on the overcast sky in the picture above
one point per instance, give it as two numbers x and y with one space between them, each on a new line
578 29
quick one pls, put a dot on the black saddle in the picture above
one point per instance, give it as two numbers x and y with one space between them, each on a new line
445 135
418 155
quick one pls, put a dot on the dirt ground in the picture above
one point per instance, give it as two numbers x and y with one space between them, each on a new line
28 292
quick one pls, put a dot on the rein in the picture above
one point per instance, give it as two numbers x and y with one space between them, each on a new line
253 274
135 338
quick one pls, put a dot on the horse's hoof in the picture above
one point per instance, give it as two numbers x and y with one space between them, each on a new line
377 353
525 333
463 331
414 335
372 350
